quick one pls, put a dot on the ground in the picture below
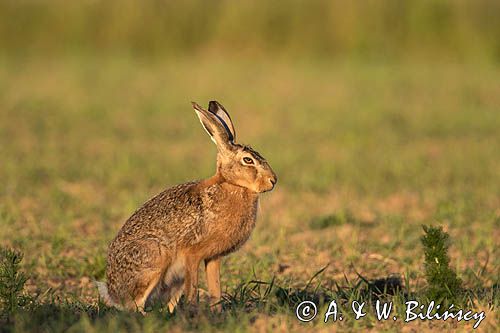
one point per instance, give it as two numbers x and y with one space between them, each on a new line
365 154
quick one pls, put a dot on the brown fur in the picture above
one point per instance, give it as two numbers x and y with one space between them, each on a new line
158 250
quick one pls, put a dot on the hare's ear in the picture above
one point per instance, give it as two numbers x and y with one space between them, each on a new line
217 109
215 128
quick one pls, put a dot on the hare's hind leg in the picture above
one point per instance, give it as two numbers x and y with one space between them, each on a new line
175 294
173 283
141 266
144 285
181 277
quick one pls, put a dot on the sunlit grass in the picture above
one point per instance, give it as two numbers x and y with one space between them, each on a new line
365 153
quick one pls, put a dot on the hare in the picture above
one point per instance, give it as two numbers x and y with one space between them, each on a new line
157 252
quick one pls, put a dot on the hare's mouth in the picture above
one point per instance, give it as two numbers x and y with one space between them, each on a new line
270 186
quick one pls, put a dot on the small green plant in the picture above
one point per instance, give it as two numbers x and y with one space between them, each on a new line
443 283
11 281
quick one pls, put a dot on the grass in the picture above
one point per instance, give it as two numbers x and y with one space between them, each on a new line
457 30
365 154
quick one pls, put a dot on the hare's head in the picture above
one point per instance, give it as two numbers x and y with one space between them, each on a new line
237 164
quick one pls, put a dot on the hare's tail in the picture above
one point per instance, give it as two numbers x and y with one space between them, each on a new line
104 295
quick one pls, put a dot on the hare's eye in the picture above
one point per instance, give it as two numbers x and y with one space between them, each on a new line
247 160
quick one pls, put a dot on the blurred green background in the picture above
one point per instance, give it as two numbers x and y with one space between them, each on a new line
377 116
448 30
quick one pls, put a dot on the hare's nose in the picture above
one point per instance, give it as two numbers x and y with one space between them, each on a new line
274 180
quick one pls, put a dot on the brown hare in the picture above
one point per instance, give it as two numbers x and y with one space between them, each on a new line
157 252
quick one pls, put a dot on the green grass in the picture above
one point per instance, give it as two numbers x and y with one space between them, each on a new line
448 30
365 154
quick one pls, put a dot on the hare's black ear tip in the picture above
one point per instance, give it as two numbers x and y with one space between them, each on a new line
213 106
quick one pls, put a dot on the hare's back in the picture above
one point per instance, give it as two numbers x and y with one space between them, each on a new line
168 214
